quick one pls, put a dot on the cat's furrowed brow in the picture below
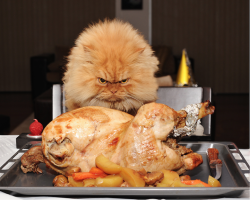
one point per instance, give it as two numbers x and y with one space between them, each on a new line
123 81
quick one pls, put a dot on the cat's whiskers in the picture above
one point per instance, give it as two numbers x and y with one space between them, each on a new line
130 103
93 101
132 97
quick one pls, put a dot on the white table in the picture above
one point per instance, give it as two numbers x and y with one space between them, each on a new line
8 149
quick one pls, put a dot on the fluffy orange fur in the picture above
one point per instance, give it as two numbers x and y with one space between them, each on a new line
111 65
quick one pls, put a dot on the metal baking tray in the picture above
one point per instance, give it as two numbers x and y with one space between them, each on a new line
234 179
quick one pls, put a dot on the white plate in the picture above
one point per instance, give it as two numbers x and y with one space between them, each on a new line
34 136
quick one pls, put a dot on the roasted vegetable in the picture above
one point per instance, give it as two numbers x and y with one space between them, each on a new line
60 181
89 182
75 183
132 177
106 165
213 182
109 181
79 176
169 177
195 182
178 183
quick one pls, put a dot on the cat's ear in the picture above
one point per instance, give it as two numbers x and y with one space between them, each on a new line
87 48
140 50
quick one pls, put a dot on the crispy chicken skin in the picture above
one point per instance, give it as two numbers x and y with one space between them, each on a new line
76 138
142 146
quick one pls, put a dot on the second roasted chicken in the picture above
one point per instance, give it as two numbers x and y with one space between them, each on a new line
147 141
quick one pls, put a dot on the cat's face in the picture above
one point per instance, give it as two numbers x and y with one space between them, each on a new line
111 70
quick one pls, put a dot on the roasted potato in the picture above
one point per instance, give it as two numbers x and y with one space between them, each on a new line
75 183
109 181
132 177
169 178
89 182
213 182
106 165
178 183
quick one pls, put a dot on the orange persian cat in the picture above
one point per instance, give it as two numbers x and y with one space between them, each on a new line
111 65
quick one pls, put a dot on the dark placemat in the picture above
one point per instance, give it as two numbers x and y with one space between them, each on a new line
22 139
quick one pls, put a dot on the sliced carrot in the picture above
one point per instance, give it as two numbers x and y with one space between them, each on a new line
194 182
84 175
95 170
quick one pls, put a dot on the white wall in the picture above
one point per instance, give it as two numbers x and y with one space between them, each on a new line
140 19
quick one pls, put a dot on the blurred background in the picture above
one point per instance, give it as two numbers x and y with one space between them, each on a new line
214 33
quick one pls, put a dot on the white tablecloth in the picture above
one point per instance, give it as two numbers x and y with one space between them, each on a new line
8 149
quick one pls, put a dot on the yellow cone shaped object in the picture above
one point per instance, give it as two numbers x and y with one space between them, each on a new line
183 71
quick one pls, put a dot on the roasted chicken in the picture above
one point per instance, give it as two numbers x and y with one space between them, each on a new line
146 142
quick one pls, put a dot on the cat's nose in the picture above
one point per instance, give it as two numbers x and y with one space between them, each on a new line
113 91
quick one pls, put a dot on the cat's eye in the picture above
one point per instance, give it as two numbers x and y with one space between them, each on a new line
124 81
102 81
